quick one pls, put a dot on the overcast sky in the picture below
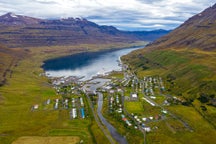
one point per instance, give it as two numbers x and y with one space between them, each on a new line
123 14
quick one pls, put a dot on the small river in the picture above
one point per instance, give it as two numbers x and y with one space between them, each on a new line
86 64
119 138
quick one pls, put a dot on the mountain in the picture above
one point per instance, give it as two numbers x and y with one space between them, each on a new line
23 31
149 35
197 32
186 60
13 20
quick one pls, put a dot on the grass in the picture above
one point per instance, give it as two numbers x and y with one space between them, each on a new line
8 59
47 140
173 131
118 75
203 131
134 107
160 100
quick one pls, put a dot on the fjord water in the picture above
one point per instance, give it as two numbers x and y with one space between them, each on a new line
86 64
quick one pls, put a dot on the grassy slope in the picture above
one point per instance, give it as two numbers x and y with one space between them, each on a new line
25 87
8 59
190 69
193 72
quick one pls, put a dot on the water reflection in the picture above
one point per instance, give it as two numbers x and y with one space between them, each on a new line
85 64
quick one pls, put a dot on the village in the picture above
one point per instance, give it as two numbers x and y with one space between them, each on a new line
69 98
139 104
123 101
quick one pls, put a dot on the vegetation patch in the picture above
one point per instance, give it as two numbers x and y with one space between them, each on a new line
47 140
134 107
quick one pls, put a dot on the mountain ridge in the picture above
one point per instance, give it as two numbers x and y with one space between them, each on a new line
23 31
196 32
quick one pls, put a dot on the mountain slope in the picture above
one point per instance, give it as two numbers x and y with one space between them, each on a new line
22 31
8 59
186 59
197 32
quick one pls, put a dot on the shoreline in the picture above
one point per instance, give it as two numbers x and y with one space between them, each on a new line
86 67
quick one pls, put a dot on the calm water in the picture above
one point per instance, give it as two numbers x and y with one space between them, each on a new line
85 64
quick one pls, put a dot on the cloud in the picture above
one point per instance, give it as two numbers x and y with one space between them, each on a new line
127 15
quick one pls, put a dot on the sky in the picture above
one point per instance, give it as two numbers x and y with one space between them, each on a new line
132 15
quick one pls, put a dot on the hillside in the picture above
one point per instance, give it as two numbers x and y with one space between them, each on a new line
8 58
197 32
186 59
23 31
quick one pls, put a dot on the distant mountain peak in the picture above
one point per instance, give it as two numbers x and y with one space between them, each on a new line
14 19
9 15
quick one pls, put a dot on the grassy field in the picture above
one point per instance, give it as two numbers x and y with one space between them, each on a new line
134 107
47 140
26 87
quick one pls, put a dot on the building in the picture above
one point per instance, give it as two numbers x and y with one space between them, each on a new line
134 97
82 113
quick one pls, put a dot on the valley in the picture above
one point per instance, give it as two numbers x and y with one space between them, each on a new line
27 87
71 80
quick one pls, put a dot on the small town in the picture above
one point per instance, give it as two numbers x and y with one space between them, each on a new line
139 104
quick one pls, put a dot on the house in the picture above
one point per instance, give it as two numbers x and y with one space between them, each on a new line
82 113
74 113
134 97
36 106
144 119
56 106
147 129
81 102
